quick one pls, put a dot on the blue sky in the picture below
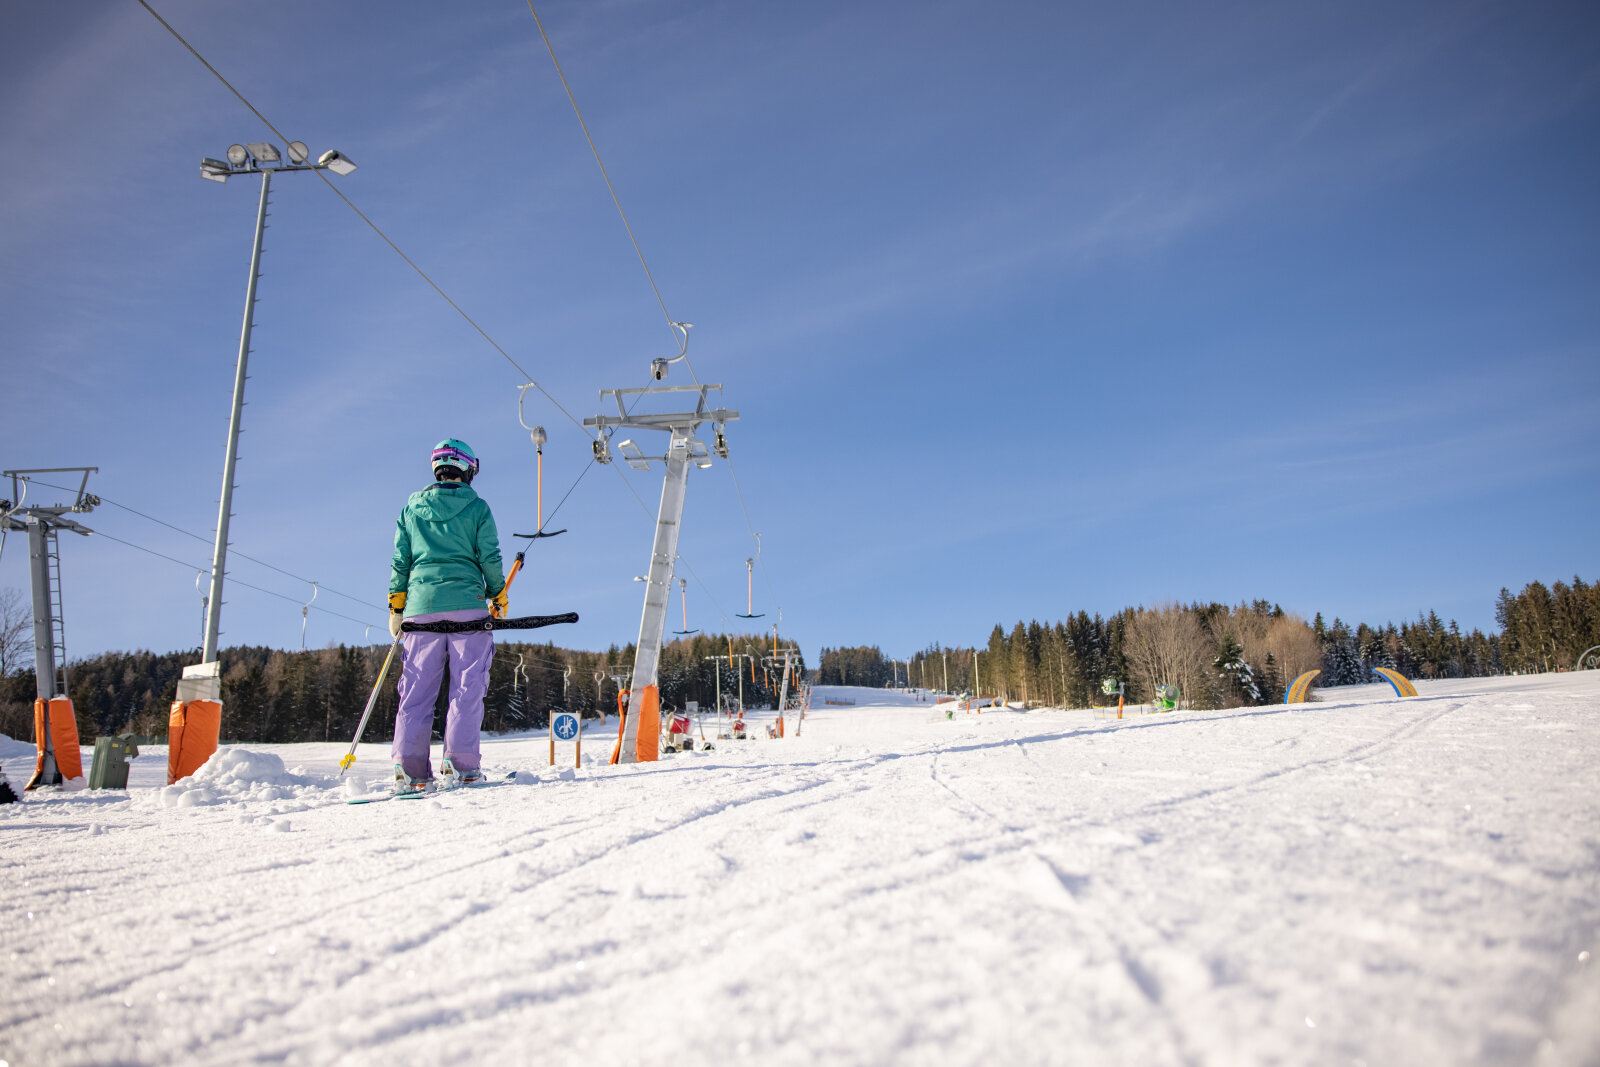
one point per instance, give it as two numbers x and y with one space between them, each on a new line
1029 308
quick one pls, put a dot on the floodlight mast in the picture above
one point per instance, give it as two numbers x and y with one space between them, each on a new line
683 450
244 159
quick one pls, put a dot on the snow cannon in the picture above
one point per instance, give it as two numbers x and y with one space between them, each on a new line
678 737
1113 688
1166 698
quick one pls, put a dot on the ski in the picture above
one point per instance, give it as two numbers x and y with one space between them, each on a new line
379 798
526 622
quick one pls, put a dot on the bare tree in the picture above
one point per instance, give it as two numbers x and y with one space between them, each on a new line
1293 645
16 619
1166 645
1286 636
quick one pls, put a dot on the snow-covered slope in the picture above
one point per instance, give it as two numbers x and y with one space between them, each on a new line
1363 880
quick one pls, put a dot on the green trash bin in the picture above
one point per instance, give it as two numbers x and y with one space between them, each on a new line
110 767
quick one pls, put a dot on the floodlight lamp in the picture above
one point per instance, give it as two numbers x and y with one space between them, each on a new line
335 162
633 454
264 152
238 155
298 152
213 170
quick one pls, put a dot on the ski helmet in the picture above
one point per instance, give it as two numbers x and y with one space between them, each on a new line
455 454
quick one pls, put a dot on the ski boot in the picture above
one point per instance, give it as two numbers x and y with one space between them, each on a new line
453 777
407 786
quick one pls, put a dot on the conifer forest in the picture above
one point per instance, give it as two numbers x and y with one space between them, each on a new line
1217 655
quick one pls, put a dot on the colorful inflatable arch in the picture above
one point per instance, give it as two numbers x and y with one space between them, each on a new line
1299 690
1402 687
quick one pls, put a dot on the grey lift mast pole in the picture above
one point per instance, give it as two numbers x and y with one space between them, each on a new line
42 524
683 450
41 539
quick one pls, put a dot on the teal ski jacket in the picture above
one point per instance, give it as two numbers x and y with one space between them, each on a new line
446 551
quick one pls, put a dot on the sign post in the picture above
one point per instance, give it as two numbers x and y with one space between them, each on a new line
568 727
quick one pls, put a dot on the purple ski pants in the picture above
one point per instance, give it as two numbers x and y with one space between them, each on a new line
427 656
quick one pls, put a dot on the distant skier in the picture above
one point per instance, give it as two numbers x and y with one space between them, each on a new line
446 566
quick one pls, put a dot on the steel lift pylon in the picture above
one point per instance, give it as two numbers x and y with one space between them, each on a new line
640 738
42 524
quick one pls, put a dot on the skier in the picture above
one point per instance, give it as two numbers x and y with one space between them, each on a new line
446 566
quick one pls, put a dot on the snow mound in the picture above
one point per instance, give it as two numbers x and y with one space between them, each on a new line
13 749
234 775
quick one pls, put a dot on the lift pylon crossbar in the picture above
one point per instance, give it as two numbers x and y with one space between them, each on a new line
660 421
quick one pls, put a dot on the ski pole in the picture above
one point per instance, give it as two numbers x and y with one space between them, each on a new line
350 757
516 566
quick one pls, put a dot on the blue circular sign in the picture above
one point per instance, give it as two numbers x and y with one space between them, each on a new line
566 726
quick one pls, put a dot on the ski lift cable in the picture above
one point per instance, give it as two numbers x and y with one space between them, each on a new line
15 507
502 649
207 540
676 328
679 329
673 326
528 378
587 467
231 581
363 217
646 509
703 588
765 576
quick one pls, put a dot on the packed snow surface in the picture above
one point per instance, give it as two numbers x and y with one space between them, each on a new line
1360 880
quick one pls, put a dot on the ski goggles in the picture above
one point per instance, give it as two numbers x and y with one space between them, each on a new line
454 457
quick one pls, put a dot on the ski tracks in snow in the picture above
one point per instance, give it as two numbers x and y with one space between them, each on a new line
1366 880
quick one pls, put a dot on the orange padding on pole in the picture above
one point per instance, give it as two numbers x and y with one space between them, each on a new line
62 724
648 747
622 723
192 734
